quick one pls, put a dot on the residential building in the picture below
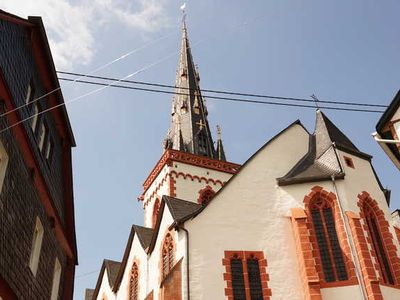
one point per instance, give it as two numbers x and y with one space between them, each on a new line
38 251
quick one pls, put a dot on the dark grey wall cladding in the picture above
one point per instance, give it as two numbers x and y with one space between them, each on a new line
19 206
19 199
18 66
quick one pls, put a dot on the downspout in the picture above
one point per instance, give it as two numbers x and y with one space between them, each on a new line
187 261
349 235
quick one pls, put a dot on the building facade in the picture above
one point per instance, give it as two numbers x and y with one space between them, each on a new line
37 233
305 217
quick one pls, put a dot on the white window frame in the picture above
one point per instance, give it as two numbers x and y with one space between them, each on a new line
36 246
42 135
56 280
35 116
29 93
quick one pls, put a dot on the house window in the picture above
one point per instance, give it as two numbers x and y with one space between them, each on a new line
36 246
134 283
56 280
332 260
42 133
246 275
29 93
167 255
377 243
35 116
49 148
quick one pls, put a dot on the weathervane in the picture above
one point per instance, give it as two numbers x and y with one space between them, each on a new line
183 9
315 100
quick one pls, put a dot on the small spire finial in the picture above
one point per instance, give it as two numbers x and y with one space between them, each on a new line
219 132
316 100
183 9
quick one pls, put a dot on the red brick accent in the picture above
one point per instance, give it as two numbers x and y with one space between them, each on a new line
244 255
308 271
172 186
191 159
367 203
171 286
149 296
6 292
329 197
371 282
397 230
156 209
205 195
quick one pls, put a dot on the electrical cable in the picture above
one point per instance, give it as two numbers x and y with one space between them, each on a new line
225 92
226 98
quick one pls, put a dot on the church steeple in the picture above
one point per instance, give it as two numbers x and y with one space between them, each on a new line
189 130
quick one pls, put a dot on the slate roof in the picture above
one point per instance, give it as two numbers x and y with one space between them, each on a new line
189 130
181 209
112 268
144 234
321 161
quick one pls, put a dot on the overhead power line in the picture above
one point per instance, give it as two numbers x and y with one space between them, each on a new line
222 98
218 91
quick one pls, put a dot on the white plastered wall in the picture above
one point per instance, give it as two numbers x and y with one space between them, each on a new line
156 190
188 189
154 258
249 214
138 255
105 291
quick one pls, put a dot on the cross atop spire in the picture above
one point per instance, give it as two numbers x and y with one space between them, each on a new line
189 130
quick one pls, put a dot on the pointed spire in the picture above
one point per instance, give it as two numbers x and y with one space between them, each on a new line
326 133
189 130
220 148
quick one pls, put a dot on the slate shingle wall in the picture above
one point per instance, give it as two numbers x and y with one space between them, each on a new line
19 200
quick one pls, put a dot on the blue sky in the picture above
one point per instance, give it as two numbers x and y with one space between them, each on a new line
337 50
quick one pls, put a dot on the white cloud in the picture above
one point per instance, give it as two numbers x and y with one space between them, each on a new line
71 28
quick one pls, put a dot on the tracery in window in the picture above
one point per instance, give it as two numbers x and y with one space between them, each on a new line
134 283
167 255
331 254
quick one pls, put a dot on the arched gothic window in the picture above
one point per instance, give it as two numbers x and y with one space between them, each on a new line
377 243
333 265
167 255
134 283
206 195
156 209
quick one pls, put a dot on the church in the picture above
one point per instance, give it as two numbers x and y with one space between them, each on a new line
305 217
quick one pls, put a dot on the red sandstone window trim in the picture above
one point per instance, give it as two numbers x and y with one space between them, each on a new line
244 256
156 209
380 240
349 162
